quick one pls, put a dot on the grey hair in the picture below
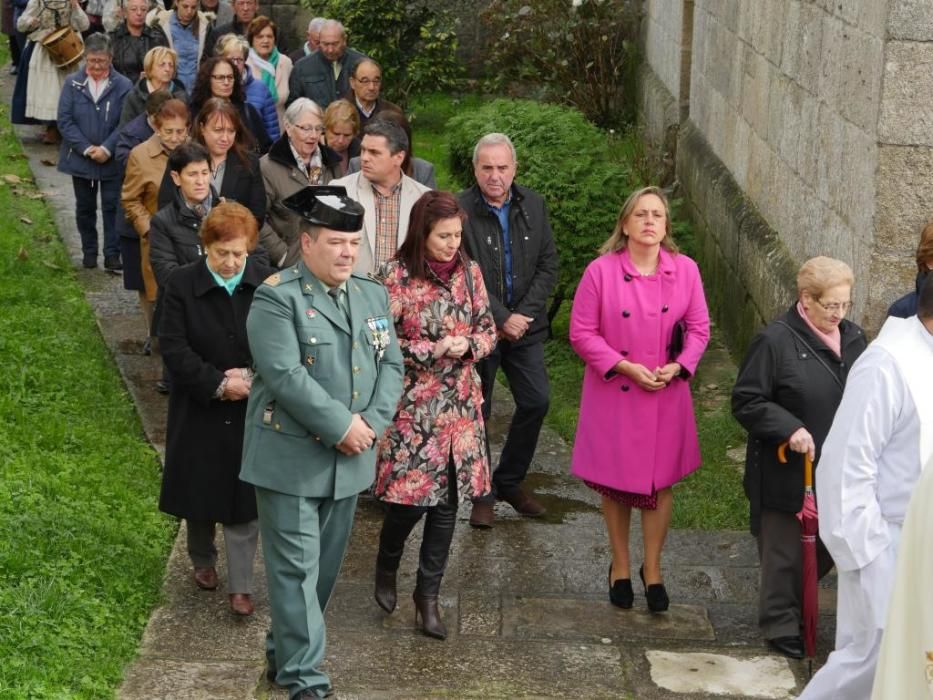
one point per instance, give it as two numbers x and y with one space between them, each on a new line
299 107
227 41
333 24
315 24
98 42
394 134
493 139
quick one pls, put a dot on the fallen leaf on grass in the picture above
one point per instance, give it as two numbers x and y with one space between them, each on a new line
25 219
49 162
23 254
13 179
36 195
52 266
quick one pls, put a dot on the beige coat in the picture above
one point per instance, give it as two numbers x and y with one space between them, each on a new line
281 233
360 189
140 198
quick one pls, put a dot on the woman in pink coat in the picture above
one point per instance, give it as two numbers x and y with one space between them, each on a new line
640 323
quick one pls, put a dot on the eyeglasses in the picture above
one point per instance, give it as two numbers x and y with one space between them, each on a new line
308 130
227 78
369 81
237 61
97 61
835 306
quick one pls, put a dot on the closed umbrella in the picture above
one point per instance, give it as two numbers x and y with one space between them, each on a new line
809 530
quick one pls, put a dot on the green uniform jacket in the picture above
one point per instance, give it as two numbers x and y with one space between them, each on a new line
313 371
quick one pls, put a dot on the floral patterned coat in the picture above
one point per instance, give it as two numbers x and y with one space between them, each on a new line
439 414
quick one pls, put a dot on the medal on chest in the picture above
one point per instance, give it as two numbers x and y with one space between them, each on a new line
379 330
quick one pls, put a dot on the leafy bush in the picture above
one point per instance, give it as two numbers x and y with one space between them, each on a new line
582 53
562 157
413 42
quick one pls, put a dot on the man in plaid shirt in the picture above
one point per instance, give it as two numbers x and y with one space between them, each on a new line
386 193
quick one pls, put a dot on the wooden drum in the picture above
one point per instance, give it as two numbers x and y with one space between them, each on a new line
65 47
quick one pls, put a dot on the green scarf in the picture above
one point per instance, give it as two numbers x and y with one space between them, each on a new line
267 69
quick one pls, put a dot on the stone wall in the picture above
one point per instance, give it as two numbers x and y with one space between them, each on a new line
819 112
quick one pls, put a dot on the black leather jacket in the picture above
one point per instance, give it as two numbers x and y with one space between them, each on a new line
129 51
534 256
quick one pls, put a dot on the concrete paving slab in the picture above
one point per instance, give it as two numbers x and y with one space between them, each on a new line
721 674
186 680
538 617
412 668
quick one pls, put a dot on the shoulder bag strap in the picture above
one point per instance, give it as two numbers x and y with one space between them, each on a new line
813 352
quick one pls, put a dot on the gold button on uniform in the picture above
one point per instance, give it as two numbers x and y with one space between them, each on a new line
356 395
278 426
356 370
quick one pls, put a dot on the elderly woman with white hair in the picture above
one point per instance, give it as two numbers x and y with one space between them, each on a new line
296 160
788 389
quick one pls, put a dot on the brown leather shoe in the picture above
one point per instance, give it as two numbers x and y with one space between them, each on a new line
525 504
482 515
205 577
241 604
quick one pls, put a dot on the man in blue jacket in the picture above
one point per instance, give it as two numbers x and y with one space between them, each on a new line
88 116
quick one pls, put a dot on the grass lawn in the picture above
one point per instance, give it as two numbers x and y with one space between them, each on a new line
711 498
82 543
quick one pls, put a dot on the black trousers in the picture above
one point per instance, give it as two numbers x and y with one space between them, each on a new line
780 590
439 524
524 368
86 192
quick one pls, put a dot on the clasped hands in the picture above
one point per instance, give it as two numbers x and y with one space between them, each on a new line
649 380
239 382
515 326
359 438
453 346
98 154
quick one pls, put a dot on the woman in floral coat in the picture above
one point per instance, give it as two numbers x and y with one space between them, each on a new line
434 454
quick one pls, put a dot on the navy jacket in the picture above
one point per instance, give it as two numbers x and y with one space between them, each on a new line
906 306
83 124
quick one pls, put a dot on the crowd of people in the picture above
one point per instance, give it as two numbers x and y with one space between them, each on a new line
330 323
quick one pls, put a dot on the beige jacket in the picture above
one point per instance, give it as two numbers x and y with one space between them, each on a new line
360 189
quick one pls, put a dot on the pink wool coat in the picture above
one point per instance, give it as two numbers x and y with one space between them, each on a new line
627 438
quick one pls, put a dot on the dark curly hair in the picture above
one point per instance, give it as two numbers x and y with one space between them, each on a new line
202 84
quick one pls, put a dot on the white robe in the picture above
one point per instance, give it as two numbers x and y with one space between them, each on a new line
905 666
870 461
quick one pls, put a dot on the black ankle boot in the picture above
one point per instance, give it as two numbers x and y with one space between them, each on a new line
656 594
620 591
385 593
431 623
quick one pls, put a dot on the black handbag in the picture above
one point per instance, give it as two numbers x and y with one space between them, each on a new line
677 341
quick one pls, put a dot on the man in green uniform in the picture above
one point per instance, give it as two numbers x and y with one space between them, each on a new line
328 378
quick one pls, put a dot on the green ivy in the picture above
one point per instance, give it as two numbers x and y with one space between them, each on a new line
564 158
414 43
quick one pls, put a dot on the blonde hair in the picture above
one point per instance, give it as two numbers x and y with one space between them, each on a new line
818 274
342 112
154 56
619 239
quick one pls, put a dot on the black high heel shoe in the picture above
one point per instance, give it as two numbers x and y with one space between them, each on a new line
656 594
620 592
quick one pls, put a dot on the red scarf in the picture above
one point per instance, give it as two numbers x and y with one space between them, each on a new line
443 270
